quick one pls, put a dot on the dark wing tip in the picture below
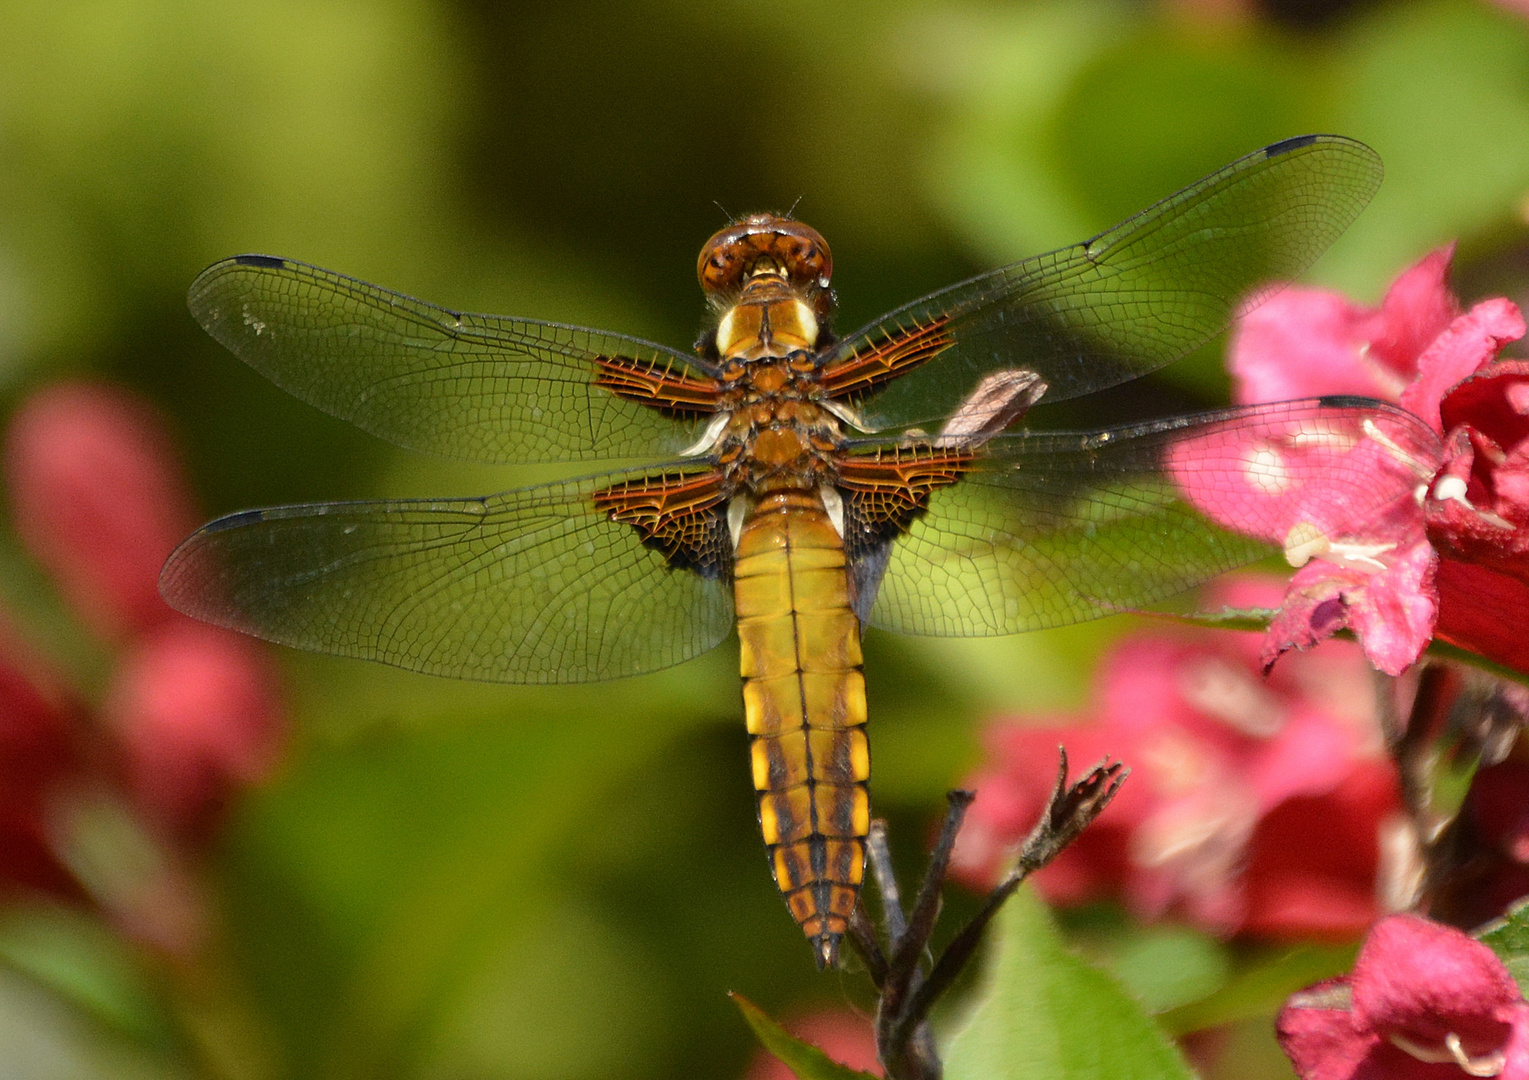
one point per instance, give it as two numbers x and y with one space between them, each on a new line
233 521
265 262
1284 146
1348 401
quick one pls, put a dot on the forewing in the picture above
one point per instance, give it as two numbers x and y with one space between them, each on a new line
529 586
1127 302
1050 529
475 387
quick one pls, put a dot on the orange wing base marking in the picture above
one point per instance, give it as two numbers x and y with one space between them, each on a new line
658 386
887 489
681 515
899 353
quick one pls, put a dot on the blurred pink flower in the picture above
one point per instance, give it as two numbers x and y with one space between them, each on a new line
1458 468
40 751
842 1035
100 501
1233 775
1424 1001
190 714
196 710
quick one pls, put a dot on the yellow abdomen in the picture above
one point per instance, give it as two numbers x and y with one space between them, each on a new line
804 700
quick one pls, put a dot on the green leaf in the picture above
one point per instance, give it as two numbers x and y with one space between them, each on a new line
1509 939
1044 1014
84 964
804 1059
1260 990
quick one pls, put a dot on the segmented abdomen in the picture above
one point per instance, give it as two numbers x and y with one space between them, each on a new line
804 700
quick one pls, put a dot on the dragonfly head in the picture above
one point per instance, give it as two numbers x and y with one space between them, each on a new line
767 244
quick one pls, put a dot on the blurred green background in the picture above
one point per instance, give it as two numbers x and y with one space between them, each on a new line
454 881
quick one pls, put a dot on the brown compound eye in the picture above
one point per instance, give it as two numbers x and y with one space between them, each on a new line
727 257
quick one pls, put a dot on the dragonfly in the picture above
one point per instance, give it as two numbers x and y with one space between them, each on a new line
791 483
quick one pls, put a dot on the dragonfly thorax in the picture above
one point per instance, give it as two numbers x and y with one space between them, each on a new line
769 320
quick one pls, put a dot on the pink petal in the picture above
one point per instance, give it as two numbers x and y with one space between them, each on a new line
98 500
1310 755
1293 477
1310 342
1391 611
1493 400
1417 308
1516 1063
1471 342
1324 1043
1301 343
197 711
1313 860
1423 980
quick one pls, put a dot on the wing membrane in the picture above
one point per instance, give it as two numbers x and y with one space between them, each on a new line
1132 299
530 586
475 387
1051 529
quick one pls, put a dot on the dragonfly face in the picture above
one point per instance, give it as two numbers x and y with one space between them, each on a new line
803 486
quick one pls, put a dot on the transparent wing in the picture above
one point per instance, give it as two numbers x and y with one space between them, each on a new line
1050 529
475 387
529 586
1131 299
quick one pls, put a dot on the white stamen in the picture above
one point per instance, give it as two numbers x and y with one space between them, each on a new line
1357 555
1452 1053
1451 489
1303 542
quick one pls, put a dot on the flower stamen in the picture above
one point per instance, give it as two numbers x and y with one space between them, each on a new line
1452 1052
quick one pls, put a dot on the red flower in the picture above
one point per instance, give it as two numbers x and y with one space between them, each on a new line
190 713
40 752
1457 470
1233 775
1424 1001
100 501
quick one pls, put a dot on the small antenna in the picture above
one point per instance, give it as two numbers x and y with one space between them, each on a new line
792 212
719 206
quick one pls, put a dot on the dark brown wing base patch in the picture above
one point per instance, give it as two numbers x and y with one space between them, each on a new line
681 515
659 386
885 490
883 493
898 353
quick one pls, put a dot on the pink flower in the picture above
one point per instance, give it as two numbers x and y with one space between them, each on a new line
844 1036
1232 776
190 714
1424 1001
1449 477
100 501
41 740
